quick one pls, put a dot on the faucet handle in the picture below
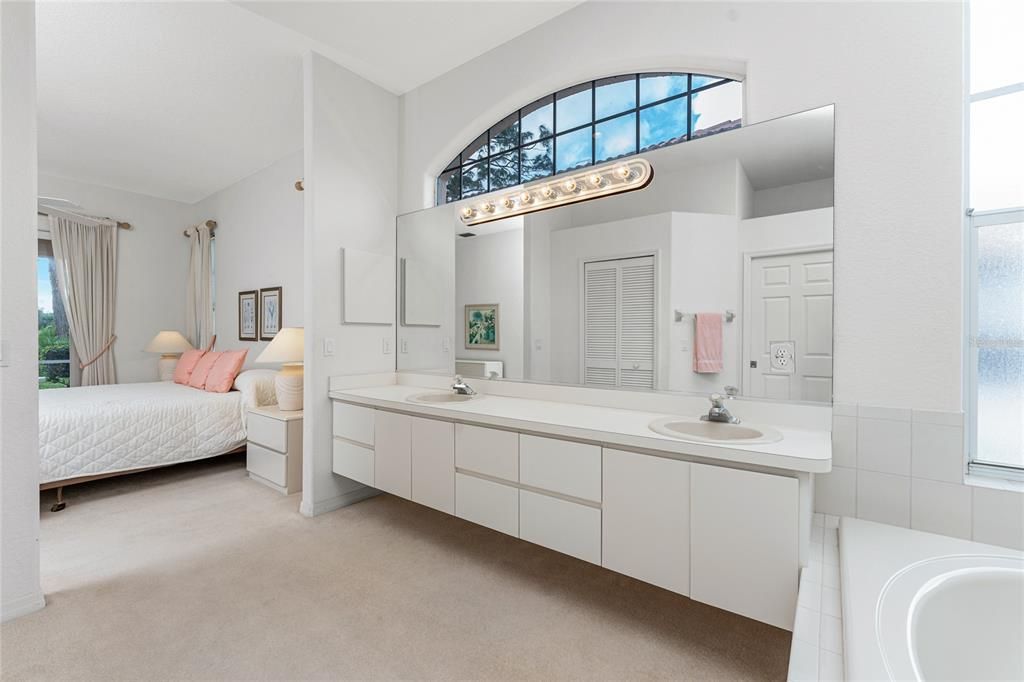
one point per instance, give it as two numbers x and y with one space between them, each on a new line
732 391
717 400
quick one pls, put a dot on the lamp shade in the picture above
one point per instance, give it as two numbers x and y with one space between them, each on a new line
287 346
168 342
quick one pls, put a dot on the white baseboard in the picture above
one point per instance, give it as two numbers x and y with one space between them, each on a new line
324 506
21 606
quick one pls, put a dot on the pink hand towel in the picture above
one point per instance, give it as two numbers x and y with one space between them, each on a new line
707 343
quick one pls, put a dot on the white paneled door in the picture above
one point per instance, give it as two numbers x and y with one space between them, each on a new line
788 353
619 322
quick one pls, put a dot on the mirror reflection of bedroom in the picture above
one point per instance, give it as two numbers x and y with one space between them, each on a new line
169 267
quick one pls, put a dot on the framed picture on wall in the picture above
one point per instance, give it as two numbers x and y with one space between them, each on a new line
270 312
482 326
248 316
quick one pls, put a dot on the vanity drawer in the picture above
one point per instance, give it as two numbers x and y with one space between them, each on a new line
561 466
567 527
270 433
353 461
353 422
487 451
487 503
273 466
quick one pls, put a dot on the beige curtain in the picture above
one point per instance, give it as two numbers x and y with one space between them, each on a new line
199 301
85 255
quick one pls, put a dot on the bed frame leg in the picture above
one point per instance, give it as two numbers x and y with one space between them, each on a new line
59 505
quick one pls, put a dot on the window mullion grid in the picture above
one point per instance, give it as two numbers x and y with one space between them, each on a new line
593 125
689 106
637 110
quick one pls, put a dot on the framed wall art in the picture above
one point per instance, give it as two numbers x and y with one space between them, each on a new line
248 316
270 313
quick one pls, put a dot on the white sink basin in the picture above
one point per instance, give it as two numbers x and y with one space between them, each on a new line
436 398
697 431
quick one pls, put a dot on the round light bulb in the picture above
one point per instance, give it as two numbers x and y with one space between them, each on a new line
525 198
624 172
508 202
487 207
569 185
468 211
596 179
548 192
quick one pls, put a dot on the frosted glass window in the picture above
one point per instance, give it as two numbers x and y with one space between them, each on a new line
997 152
997 34
1000 343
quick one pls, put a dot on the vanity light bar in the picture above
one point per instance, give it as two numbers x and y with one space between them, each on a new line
600 181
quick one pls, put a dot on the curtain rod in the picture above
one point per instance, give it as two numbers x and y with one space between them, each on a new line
212 224
123 226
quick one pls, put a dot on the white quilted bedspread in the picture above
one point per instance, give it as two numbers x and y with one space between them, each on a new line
105 429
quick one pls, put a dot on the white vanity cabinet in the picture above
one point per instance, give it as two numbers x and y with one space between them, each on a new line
744 542
392 471
646 508
433 463
725 536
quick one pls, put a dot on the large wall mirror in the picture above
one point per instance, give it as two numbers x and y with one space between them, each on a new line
717 274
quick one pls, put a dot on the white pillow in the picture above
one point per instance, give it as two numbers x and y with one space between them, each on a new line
257 387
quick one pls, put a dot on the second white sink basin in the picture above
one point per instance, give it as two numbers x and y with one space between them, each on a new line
437 398
697 431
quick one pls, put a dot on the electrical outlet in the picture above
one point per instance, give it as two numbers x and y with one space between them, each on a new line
782 355
328 348
385 345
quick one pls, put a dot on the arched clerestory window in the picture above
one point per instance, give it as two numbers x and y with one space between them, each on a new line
591 123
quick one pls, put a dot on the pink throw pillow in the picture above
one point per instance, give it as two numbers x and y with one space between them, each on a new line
186 365
222 374
202 370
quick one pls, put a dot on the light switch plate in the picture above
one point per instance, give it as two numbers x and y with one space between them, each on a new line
446 344
385 346
328 348
404 346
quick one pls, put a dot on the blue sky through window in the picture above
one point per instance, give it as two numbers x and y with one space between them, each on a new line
45 297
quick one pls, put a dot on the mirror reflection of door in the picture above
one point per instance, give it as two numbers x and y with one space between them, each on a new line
788 355
619 323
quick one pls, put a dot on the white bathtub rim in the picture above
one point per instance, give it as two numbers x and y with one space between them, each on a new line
903 592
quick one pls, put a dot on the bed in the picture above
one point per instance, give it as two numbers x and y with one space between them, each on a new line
98 431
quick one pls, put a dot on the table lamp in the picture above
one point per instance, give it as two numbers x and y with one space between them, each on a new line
170 345
287 348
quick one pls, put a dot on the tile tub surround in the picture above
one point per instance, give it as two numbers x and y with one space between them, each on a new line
870 554
906 468
816 652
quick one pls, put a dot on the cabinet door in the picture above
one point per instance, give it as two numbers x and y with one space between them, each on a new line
561 466
744 528
353 461
392 465
353 422
646 519
566 527
433 464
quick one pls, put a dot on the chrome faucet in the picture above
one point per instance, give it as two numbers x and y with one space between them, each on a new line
719 412
461 387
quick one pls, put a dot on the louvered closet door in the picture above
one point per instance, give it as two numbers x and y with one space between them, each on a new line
619 323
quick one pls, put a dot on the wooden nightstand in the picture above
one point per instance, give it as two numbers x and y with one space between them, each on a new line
274 448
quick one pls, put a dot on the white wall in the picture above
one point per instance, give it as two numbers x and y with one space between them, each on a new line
152 265
489 269
802 196
789 231
350 170
892 71
20 592
259 245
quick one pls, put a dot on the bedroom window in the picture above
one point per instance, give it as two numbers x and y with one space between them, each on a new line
591 123
54 338
995 239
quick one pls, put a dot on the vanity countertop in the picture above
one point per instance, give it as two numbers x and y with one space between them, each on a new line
799 450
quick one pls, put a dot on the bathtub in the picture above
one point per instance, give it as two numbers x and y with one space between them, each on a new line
957 617
919 606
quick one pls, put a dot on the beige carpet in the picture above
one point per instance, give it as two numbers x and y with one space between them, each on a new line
197 572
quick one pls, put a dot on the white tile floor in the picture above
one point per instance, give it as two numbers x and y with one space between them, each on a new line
817 650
